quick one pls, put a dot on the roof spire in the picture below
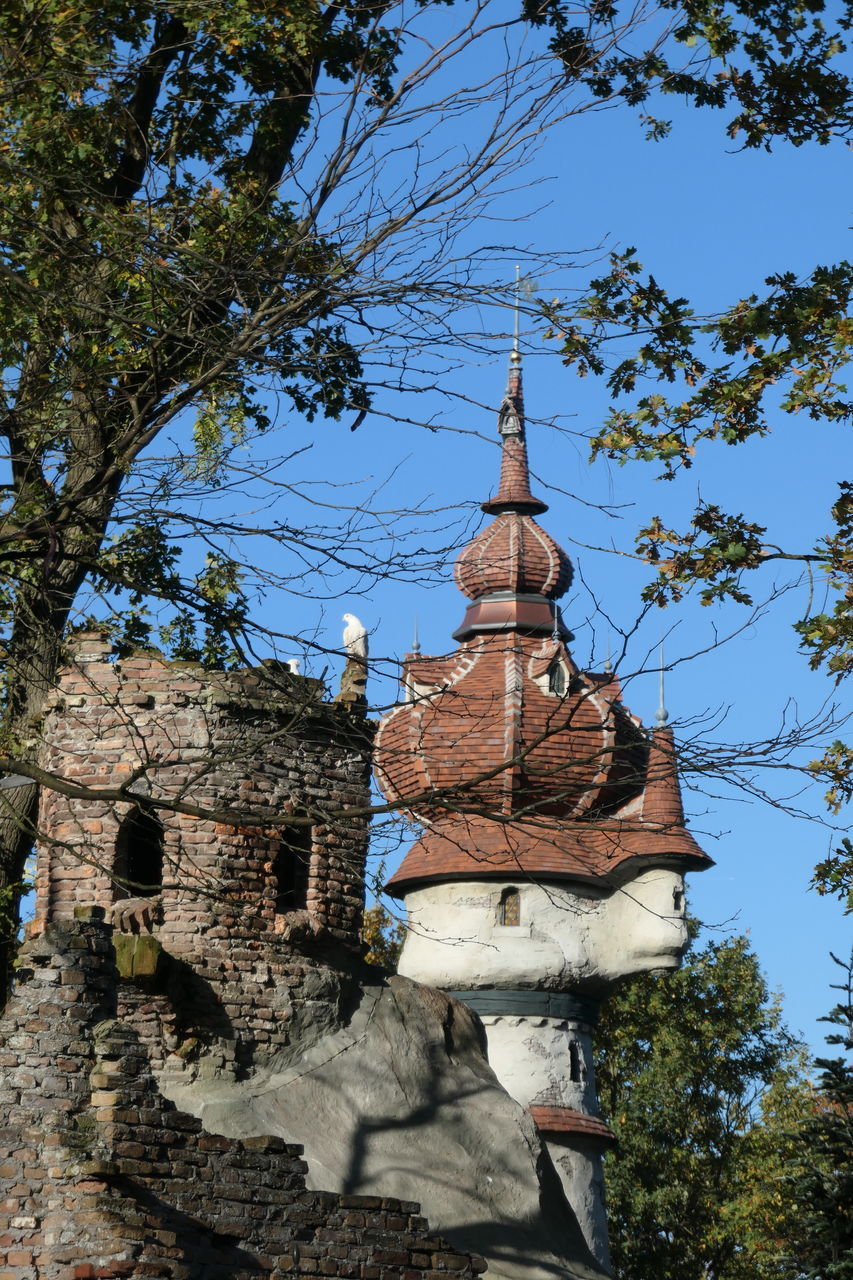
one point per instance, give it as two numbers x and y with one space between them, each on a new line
661 715
416 641
514 490
511 418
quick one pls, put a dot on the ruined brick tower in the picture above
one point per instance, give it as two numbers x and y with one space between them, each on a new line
217 841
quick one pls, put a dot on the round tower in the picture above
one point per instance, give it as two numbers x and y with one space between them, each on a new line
554 847
216 817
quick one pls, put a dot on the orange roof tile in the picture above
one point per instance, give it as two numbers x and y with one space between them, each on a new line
514 489
489 735
513 554
477 847
553 1121
517 762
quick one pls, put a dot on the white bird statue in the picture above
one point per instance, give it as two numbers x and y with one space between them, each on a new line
355 637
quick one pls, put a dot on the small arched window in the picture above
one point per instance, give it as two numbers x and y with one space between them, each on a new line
557 679
509 911
290 869
139 855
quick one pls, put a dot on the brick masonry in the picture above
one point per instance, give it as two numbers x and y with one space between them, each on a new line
101 1177
261 771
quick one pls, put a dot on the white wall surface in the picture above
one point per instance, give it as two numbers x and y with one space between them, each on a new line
570 937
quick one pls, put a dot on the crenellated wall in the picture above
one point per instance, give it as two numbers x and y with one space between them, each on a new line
257 741
251 791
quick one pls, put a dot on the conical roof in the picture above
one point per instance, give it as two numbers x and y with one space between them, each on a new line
514 490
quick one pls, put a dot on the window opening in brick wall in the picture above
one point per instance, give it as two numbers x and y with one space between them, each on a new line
574 1063
139 855
290 869
510 907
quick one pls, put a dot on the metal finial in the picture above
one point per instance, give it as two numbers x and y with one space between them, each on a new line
661 715
416 643
515 354
608 664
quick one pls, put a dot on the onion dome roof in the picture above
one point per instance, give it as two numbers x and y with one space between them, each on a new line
513 554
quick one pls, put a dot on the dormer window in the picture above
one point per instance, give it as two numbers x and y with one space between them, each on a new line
509 910
139 855
557 682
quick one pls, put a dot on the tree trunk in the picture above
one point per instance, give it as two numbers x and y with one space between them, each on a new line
18 809
34 657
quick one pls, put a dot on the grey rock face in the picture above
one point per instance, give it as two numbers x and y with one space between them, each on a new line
402 1102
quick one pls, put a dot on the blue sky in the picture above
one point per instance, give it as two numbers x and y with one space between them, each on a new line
710 223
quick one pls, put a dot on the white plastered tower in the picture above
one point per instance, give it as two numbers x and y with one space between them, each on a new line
554 848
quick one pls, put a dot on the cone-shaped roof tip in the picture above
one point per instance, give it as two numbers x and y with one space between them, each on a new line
514 489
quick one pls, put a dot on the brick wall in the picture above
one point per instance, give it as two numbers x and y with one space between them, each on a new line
240 965
102 1177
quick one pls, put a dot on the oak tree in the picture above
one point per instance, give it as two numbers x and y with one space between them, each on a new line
819 1175
702 1084
206 205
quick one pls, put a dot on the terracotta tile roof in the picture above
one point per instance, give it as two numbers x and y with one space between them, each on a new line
514 489
517 762
476 847
513 554
489 735
565 1120
662 798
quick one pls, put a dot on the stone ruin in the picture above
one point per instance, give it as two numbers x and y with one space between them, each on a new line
200 1075
244 924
